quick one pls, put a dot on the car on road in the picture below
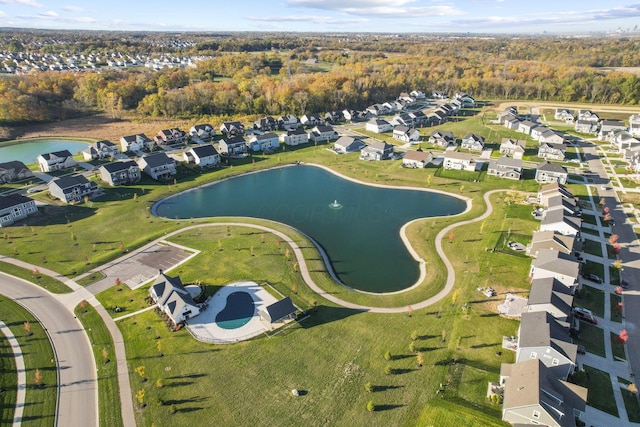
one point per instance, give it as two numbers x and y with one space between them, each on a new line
585 314
592 277
624 283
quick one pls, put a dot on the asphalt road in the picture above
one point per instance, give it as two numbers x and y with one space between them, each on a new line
77 391
630 256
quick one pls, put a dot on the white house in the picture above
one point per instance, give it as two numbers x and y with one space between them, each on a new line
513 147
557 220
15 207
417 159
444 139
634 125
459 161
586 126
294 137
607 127
406 134
58 160
472 142
203 155
378 126
136 142
550 239
100 150
14 171
158 166
377 150
549 172
173 298
323 134
120 173
233 146
551 151
204 132
526 126
505 167
232 128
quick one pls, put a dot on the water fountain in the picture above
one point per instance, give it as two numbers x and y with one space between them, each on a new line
335 205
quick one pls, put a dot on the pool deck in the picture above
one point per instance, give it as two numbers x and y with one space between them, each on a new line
204 328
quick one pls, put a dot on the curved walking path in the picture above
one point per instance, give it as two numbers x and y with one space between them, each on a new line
20 371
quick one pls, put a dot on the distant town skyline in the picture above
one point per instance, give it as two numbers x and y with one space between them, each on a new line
377 16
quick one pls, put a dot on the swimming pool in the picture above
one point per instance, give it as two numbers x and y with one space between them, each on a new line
237 312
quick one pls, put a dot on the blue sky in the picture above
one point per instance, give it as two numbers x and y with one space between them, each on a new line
390 16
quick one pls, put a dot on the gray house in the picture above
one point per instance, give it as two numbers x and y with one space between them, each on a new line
542 337
120 173
473 142
534 396
15 207
513 147
551 263
158 166
348 144
72 189
233 146
549 172
505 167
550 239
551 151
14 171
173 298
377 150
549 295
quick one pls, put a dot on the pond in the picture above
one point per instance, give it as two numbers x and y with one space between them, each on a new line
358 225
27 152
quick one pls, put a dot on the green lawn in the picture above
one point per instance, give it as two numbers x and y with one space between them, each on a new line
617 347
589 219
592 267
592 299
8 382
592 338
631 405
46 282
592 247
104 354
600 389
614 276
91 278
613 303
40 401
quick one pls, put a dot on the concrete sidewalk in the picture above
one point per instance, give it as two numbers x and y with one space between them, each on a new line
21 373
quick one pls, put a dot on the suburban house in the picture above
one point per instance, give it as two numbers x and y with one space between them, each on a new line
203 155
100 150
170 136
551 263
439 94
527 126
551 136
586 126
233 146
406 134
588 115
173 299
472 142
266 124
58 160
232 128
417 94
311 120
417 159
465 99
549 295
377 150
334 117
347 144
568 205
565 115
535 396
120 173
551 151
459 161
288 122
607 127
505 167
551 190
73 188
557 220
135 143
513 147
14 171
634 125
512 123
444 139
537 131
436 117
266 142
15 207
204 132
323 133
542 337
550 239
378 126
623 140
158 166
549 172
294 137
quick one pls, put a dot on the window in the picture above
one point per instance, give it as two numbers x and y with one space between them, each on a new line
536 414
555 362
533 355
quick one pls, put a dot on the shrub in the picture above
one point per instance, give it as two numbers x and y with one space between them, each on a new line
371 406
368 387
387 355
388 370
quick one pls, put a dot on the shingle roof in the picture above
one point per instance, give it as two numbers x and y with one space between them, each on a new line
13 200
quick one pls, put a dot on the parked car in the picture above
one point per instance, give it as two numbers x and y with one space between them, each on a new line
592 277
624 283
585 314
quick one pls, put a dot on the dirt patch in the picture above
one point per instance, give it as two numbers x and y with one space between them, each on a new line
97 127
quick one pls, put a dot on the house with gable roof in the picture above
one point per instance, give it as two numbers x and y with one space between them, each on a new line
472 142
378 126
558 220
444 139
607 127
549 295
170 136
56 161
513 147
505 167
232 128
158 166
551 151
563 267
14 171
136 142
266 142
294 137
549 172
551 136
233 146
72 188
564 114
120 173
586 126
634 125
15 207
203 155
100 150
348 144
417 159
204 132
550 239
527 126
406 134
377 150
323 133
173 299
459 161
542 337
533 395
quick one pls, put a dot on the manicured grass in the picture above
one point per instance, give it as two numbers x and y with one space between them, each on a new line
617 347
589 219
600 389
91 278
613 303
104 354
614 276
592 247
631 405
592 299
592 267
585 230
8 382
46 282
592 338
40 402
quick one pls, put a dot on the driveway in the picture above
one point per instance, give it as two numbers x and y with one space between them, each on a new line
78 387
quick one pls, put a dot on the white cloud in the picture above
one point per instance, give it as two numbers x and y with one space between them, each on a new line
49 14
385 8
346 4
74 9
316 19
3 15
30 3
